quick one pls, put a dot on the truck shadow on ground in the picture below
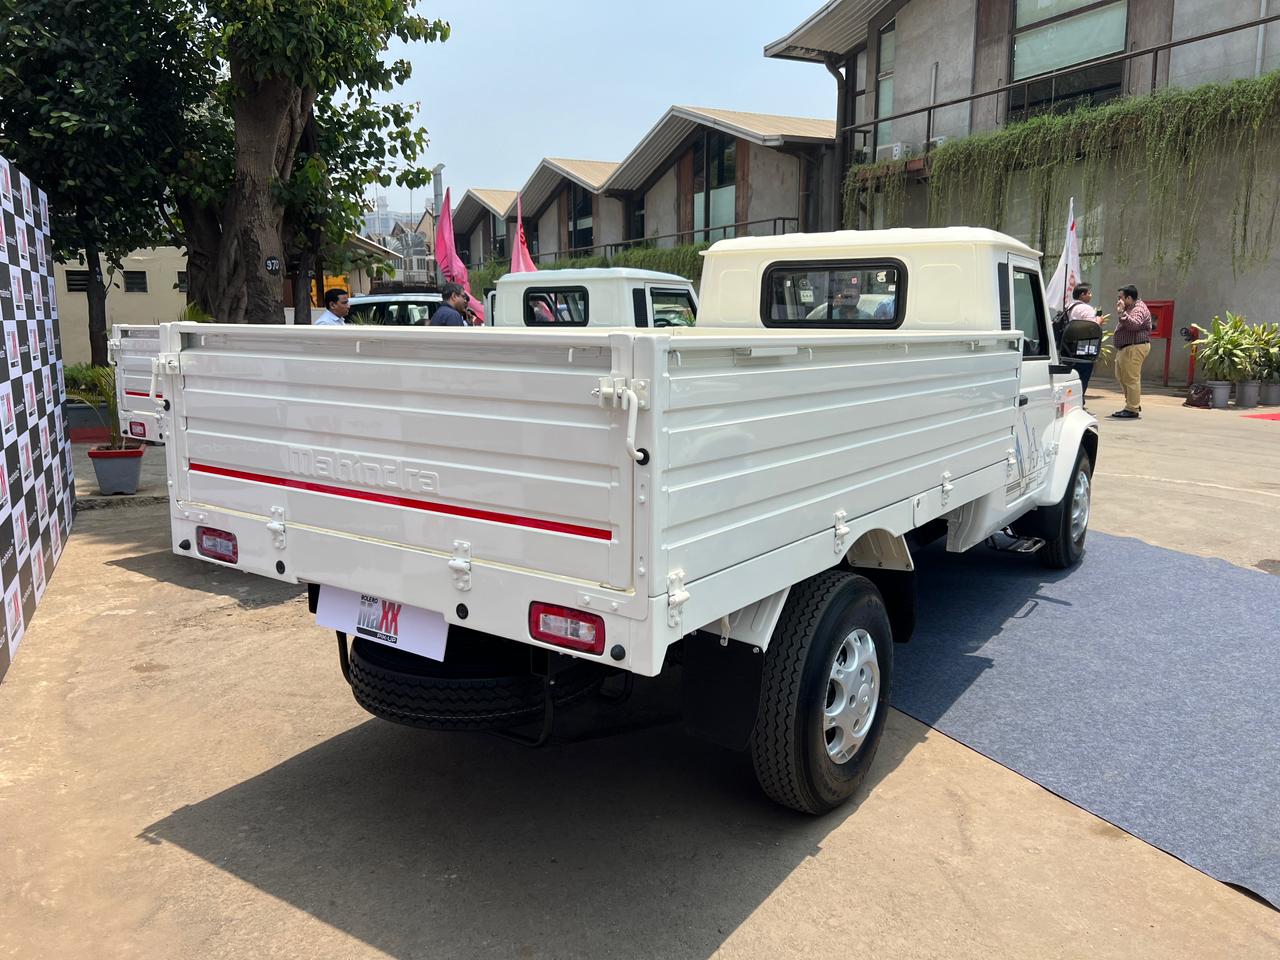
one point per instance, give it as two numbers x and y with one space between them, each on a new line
648 844
249 591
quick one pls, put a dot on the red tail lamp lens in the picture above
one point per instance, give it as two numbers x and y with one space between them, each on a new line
217 544
566 627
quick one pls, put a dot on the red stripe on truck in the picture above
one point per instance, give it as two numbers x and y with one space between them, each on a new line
532 523
142 393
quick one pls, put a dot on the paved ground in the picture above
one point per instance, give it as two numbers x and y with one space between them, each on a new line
184 774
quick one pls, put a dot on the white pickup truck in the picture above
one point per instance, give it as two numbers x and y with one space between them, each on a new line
593 297
139 400
495 521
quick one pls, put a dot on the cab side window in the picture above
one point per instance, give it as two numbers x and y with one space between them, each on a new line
1028 314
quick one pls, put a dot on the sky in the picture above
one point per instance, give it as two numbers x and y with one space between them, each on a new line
586 79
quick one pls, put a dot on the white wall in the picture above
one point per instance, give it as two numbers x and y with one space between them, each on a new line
661 216
475 243
612 225
160 304
928 32
774 183
1222 58
549 229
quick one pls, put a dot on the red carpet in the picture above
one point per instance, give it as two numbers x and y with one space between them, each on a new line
1263 416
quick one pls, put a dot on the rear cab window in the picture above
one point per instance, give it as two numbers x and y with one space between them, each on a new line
835 293
556 307
1029 314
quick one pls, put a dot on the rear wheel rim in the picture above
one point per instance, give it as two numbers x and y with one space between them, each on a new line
1080 505
853 696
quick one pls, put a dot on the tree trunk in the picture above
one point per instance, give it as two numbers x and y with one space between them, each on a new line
269 117
97 295
302 288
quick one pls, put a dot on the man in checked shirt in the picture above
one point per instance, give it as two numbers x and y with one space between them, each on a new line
1133 343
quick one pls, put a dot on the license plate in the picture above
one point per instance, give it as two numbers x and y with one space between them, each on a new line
383 621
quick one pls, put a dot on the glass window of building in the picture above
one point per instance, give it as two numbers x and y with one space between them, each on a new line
1049 35
884 82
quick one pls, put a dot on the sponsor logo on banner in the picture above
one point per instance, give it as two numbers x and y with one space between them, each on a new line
24 257
29 391
24 458
26 195
44 439
12 350
44 210
37 569
7 418
42 501
379 619
53 300
55 533
40 251
4 493
37 290
57 484
13 614
21 536
15 288
6 185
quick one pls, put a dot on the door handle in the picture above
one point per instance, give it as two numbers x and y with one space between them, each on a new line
1023 399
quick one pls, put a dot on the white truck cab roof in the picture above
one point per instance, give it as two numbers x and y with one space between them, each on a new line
947 278
595 297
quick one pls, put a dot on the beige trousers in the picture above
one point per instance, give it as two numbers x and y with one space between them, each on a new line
1129 372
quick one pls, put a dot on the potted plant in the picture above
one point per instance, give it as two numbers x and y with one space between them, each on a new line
80 416
1223 355
116 465
1267 344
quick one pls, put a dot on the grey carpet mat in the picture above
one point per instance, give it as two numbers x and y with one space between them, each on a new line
1144 686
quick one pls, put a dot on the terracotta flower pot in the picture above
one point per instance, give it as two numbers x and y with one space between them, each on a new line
117 470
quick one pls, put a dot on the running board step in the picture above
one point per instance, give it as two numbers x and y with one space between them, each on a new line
1006 541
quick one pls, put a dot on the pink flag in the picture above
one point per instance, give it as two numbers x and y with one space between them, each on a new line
521 262
451 264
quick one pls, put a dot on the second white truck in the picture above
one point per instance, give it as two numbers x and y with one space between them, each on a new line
496 521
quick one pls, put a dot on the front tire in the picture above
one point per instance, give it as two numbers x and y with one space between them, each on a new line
1066 547
824 696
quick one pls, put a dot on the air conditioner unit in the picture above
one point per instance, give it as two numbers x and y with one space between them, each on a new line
893 151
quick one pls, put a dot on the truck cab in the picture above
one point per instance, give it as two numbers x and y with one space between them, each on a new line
594 297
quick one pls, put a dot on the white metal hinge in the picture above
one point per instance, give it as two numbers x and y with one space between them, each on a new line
841 530
947 486
612 392
461 564
677 597
276 526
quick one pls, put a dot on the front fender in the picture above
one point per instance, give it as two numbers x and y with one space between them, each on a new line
1079 429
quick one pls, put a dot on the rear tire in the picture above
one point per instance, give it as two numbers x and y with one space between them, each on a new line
1065 548
824 696
418 692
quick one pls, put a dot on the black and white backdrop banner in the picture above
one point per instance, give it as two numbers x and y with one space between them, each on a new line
36 493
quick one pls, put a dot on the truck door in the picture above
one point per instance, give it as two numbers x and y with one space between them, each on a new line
1037 412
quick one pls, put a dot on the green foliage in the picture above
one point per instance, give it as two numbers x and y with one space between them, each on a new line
1156 154
98 388
78 376
862 183
1226 351
192 313
683 261
92 101
1266 349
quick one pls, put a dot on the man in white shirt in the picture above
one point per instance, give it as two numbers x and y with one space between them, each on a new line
337 304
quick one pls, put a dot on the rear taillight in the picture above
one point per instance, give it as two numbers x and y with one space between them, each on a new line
565 627
137 428
217 544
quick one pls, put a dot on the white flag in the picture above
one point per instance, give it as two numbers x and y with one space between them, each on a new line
1067 275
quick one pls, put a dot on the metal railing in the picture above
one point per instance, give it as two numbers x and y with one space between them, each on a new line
777 227
866 129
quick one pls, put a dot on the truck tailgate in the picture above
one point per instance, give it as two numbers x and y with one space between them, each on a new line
133 348
425 439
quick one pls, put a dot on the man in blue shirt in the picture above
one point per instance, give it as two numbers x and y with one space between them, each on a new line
337 304
450 314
